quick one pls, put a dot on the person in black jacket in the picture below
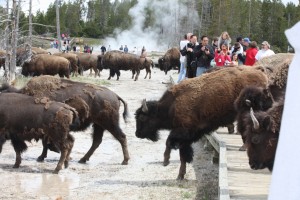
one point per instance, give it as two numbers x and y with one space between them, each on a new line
204 54
189 52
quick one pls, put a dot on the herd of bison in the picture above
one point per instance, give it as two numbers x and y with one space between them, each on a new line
252 96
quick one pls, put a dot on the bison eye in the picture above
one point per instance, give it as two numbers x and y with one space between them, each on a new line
255 139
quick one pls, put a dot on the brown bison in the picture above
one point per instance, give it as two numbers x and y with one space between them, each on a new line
257 98
195 107
23 53
260 129
88 61
74 61
23 118
147 63
116 61
44 64
95 105
262 132
170 60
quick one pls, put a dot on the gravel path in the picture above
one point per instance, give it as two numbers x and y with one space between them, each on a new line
103 177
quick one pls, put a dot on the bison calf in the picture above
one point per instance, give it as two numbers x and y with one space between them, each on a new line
23 118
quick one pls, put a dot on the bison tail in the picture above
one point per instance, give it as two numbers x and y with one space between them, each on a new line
125 113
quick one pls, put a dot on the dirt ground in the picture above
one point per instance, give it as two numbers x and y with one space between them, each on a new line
103 176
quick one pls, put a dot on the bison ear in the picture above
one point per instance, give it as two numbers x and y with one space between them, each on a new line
144 106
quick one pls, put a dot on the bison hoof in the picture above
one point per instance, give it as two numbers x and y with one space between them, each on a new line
55 171
66 164
82 160
243 148
40 159
16 166
125 162
180 177
166 163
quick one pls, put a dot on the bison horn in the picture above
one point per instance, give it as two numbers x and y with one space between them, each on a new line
248 102
254 120
144 108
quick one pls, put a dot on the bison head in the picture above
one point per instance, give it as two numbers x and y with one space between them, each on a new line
261 140
147 121
255 97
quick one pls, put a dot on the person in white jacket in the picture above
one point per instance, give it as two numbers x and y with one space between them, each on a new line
265 51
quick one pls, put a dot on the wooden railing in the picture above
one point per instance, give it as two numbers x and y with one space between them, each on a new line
220 155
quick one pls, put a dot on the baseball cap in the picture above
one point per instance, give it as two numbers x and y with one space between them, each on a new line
246 40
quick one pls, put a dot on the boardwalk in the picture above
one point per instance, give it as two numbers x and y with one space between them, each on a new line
243 182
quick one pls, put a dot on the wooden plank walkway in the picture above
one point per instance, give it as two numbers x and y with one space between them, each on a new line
243 182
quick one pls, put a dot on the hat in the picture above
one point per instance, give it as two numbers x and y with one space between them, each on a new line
246 40
266 43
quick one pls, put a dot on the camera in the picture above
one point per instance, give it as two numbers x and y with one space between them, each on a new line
206 49
189 45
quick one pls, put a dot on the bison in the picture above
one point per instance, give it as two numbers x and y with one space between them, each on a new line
260 99
23 118
44 64
95 105
74 61
195 107
170 60
146 64
88 61
262 133
116 61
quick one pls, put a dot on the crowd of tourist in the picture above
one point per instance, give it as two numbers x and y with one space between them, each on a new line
197 57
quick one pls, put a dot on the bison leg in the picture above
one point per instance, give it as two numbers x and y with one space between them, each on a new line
186 155
137 75
167 153
96 72
97 139
133 73
61 161
44 152
91 72
19 147
121 137
69 147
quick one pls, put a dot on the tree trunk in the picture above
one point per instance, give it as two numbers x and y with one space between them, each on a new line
7 45
58 25
12 68
30 29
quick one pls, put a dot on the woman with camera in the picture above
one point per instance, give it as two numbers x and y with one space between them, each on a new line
222 57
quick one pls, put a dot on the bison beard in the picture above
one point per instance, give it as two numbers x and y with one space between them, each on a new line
195 107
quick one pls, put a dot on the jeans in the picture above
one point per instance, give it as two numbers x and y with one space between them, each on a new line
182 72
200 70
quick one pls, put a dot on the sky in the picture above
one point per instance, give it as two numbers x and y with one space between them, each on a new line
43 4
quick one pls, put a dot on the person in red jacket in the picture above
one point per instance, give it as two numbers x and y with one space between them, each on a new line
222 57
251 53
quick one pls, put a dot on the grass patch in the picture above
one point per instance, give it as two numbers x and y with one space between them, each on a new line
91 80
187 195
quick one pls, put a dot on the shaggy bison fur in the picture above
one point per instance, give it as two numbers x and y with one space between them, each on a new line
195 107
95 105
23 118
170 60
44 64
